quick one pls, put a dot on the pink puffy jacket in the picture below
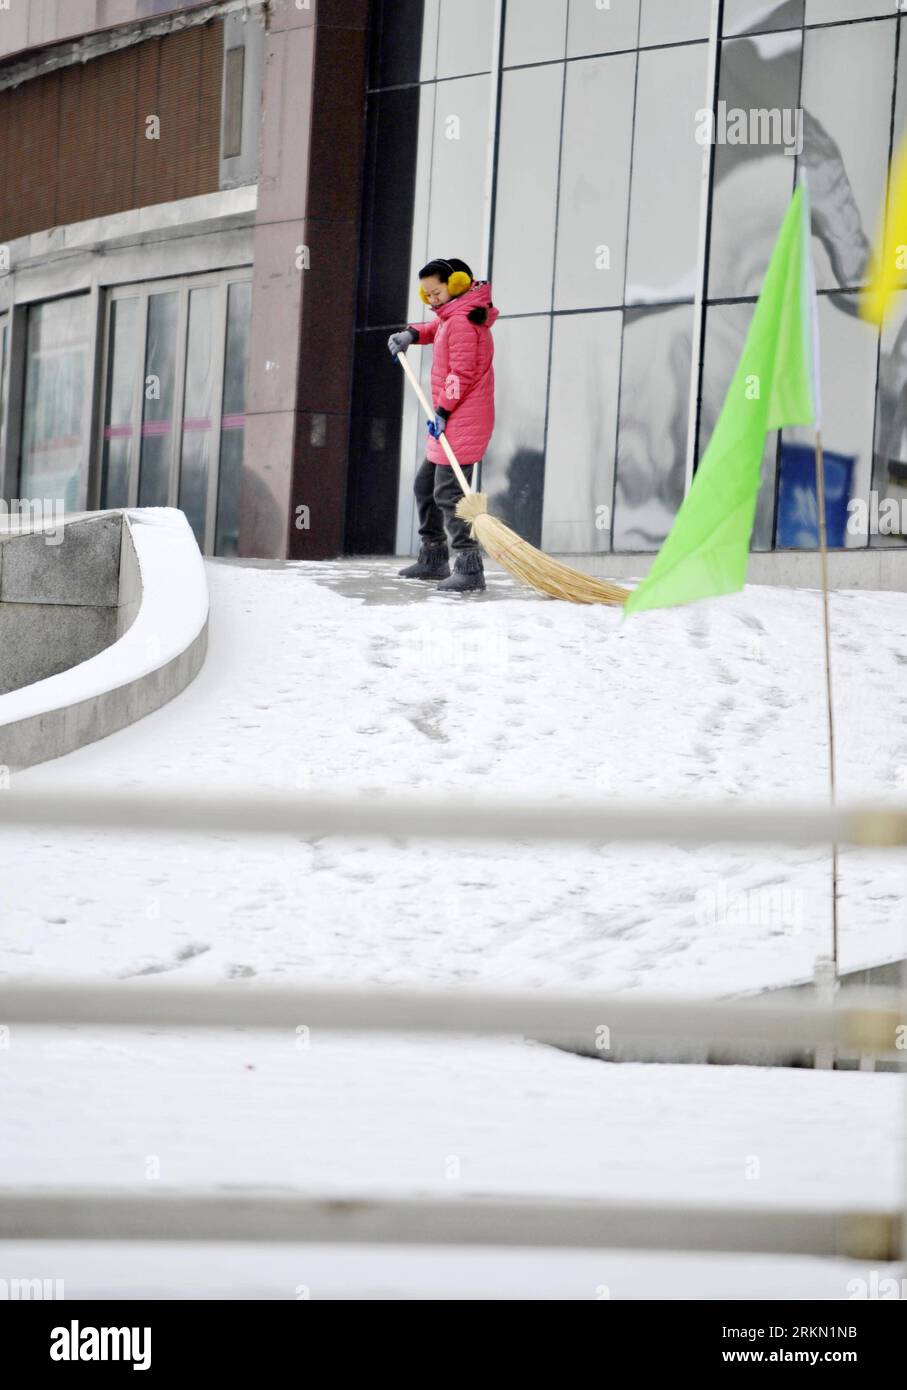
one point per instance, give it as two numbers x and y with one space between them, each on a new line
462 375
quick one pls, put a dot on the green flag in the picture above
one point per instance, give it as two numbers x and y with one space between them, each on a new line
776 384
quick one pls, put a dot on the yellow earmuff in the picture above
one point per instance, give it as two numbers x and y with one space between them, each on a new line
458 283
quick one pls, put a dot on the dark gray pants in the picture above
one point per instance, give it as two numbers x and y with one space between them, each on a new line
437 494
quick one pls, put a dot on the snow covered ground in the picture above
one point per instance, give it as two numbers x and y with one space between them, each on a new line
179 1271
308 686
340 676
354 1116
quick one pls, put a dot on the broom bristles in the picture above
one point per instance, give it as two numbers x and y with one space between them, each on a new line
529 565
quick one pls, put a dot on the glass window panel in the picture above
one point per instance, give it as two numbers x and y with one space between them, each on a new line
653 415
846 132
595 180
754 181
419 249
900 107
376 479
4 332
57 392
726 328
465 37
460 150
889 475
118 450
533 32
601 26
528 147
847 358
198 403
761 16
412 432
431 18
582 432
667 174
234 83
396 32
827 11
159 400
236 358
513 470
899 134
674 21
400 123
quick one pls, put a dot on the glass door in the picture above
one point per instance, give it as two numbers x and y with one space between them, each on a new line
176 354
122 400
57 391
163 347
4 359
233 417
201 404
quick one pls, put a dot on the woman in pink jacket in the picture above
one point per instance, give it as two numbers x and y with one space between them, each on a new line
462 392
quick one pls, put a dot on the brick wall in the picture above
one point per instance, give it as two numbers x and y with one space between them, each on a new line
73 144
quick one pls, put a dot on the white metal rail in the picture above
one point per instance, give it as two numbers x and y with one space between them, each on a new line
869 1021
874 1022
492 1220
276 812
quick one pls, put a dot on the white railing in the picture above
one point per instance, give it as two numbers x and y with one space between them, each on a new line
371 814
873 1021
869 1022
493 1221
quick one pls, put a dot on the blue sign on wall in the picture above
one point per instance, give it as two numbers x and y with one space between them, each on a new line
797 526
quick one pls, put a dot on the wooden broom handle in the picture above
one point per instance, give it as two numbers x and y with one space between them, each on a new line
426 406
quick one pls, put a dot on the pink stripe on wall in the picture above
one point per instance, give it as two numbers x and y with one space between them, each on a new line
191 423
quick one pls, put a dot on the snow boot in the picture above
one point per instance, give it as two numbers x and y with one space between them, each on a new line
431 564
468 576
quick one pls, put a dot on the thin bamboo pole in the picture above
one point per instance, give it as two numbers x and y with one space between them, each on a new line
823 564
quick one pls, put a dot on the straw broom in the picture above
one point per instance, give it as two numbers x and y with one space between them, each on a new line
517 556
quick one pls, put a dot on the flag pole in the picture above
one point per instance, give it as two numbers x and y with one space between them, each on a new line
823 561
811 318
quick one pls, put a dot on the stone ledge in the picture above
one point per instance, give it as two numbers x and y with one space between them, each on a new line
882 568
163 622
42 639
84 568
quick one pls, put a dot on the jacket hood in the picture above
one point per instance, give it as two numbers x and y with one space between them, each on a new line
475 304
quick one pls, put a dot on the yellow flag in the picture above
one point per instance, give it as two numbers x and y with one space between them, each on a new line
890 261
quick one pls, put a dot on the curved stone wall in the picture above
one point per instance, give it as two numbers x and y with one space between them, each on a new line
99 627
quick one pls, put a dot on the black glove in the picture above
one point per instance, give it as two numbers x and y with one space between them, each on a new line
399 342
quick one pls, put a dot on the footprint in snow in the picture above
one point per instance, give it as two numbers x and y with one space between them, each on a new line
160 969
195 948
751 622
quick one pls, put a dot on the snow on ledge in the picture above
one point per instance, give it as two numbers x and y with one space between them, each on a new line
172 612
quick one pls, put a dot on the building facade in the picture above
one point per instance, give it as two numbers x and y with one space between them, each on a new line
179 229
212 216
